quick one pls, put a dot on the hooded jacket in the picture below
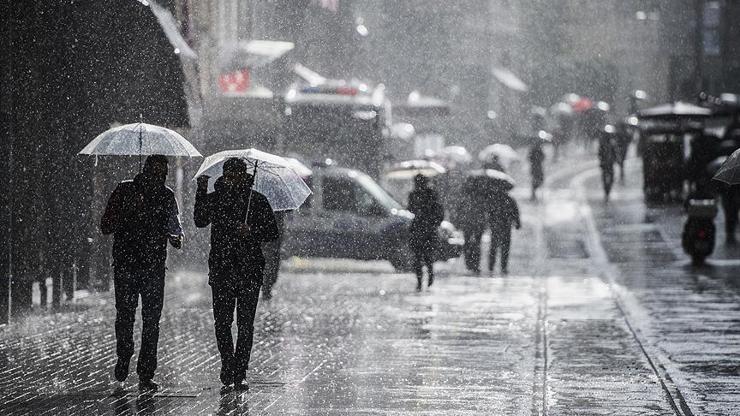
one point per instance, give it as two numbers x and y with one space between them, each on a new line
224 209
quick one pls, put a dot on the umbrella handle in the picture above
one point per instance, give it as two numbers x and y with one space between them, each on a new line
251 187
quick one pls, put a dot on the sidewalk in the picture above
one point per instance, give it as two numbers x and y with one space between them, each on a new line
691 317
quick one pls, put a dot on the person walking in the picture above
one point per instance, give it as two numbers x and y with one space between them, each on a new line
536 158
241 221
607 158
730 199
428 214
271 251
472 221
142 215
503 213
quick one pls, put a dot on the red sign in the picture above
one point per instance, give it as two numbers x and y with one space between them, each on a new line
234 82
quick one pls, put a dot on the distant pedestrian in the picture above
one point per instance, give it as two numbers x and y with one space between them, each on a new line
241 220
607 153
428 215
473 222
730 196
502 215
142 215
622 143
271 251
536 158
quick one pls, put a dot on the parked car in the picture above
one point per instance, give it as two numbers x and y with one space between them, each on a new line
350 216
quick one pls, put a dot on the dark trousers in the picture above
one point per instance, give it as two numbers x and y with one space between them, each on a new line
500 238
238 289
129 285
423 245
730 208
472 249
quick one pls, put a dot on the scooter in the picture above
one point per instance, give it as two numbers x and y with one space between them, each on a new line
699 230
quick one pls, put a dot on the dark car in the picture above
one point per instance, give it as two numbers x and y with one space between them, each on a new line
351 216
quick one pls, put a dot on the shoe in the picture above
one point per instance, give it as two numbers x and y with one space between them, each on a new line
148 385
504 271
121 371
226 376
431 281
241 385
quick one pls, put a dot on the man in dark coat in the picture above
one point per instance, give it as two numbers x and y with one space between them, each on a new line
271 251
142 215
607 158
241 220
503 213
428 214
536 158
472 221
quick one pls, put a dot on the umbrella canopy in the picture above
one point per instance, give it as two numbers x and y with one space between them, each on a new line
252 53
729 172
678 109
410 168
503 152
455 155
509 79
273 176
489 180
140 139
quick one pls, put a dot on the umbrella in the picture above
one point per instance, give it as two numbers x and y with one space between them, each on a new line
504 152
410 168
273 177
729 172
140 139
675 110
489 180
455 154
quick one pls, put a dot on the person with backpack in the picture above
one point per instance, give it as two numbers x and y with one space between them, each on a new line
428 214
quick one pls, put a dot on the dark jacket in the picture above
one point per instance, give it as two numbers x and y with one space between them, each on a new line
428 212
503 212
138 214
224 209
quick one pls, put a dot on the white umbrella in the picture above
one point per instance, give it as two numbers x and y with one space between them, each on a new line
273 176
729 172
504 152
140 139
410 168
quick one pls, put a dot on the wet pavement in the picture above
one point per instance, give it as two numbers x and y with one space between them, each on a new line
600 315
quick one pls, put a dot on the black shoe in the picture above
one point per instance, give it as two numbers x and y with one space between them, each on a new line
121 370
148 385
431 281
226 376
241 385
504 271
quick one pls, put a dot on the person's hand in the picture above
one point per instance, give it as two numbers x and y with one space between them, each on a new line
176 241
243 229
203 181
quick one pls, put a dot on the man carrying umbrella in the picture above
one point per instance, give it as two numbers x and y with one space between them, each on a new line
142 215
241 220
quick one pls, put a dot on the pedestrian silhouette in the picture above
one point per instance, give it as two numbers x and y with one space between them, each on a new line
536 158
428 214
142 215
271 251
607 153
503 213
473 221
241 220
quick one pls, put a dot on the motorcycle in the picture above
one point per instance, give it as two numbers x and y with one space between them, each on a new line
699 230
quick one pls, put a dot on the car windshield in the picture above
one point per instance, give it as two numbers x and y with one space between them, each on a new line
377 192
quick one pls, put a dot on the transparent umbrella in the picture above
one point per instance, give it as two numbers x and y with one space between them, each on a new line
274 176
729 172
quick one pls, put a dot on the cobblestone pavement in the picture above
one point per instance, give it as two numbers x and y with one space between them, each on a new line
343 337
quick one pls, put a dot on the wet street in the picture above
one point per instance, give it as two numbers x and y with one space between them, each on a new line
601 314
